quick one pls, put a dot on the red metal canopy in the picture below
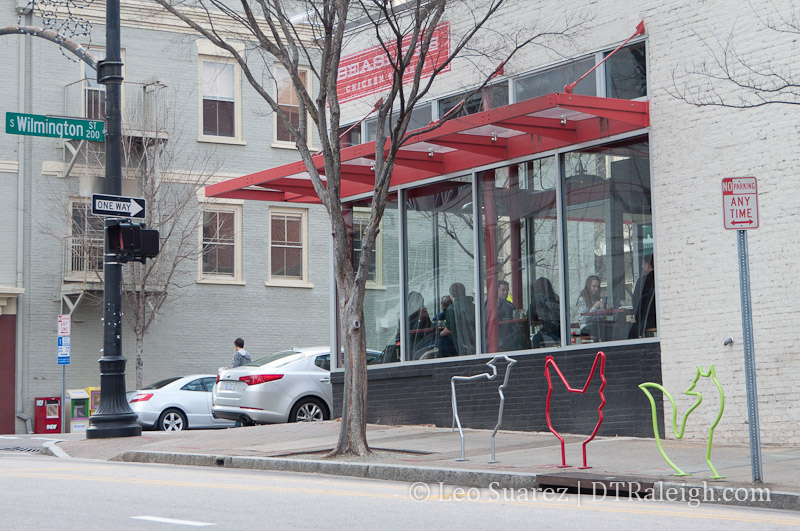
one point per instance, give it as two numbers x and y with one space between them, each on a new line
522 129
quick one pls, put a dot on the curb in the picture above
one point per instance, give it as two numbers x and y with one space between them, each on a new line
693 494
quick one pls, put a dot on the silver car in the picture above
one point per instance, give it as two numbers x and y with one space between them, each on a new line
288 386
176 404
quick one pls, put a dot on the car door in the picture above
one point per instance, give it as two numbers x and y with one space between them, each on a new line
196 398
321 371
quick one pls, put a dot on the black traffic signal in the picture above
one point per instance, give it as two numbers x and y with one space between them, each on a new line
132 242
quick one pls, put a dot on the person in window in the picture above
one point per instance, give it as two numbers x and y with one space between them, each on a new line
546 309
444 344
420 328
589 301
507 332
644 300
460 320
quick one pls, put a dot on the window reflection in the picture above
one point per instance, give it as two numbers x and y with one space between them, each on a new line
519 257
609 232
440 297
381 299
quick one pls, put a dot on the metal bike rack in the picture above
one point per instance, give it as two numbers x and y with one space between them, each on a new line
457 421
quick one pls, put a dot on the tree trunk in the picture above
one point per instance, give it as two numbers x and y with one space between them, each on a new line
139 361
353 432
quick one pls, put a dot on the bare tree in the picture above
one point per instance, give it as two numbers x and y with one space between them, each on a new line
731 78
312 34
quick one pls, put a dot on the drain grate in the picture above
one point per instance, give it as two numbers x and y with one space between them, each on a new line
22 449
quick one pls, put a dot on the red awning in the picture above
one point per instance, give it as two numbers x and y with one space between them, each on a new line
518 130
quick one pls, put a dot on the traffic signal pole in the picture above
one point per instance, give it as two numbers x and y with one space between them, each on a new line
114 417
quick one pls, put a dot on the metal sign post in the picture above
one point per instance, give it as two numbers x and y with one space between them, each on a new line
740 212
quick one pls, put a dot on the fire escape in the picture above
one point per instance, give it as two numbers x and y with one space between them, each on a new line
144 130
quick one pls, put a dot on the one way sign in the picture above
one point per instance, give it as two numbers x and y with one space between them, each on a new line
116 206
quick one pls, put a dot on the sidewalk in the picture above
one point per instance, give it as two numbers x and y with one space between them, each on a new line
429 454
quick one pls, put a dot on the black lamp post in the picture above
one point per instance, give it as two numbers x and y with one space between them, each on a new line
114 417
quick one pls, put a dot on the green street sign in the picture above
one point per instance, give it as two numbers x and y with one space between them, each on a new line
50 126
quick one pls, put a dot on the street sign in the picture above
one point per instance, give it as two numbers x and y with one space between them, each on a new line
740 202
54 127
117 206
64 325
63 350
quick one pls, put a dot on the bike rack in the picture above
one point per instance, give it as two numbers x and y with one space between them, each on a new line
457 421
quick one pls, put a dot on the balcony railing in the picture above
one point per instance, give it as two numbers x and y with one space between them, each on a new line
83 259
144 109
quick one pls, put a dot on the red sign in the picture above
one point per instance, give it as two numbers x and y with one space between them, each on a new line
369 71
740 202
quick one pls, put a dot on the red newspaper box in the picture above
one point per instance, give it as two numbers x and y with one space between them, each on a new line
47 415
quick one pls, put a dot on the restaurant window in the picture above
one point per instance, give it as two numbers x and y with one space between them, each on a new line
440 294
289 104
359 224
86 240
554 80
219 90
420 117
288 247
350 135
487 98
221 246
626 73
609 242
519 260
381 304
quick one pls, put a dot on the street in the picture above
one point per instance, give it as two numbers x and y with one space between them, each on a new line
42 492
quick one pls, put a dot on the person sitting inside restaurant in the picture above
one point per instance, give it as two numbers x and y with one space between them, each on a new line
545 308
420 328
644 300
460 320
589 300
507 332
444 344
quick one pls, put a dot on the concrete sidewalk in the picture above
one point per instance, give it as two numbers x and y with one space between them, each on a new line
429 454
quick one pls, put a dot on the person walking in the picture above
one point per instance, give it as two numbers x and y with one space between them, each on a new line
241 356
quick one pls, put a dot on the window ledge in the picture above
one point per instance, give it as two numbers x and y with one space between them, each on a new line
231 281
377 287
221 140
288 284
290 145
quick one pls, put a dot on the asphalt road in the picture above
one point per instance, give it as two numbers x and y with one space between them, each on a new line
41 492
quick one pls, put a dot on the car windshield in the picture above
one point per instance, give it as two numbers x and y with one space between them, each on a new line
269 359
162 383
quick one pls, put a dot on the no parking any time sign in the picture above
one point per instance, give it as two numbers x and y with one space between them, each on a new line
740 202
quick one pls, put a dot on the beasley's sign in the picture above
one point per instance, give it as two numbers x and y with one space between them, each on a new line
369 71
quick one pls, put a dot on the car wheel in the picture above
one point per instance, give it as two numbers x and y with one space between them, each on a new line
307 410
172 420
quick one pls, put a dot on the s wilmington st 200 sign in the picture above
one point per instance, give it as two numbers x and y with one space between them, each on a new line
55 127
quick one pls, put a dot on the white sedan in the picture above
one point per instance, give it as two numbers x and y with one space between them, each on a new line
176 404
288 386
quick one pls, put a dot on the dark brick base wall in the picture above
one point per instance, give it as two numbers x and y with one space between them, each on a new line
420 394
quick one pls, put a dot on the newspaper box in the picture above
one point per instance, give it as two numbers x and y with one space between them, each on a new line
47 414
77 410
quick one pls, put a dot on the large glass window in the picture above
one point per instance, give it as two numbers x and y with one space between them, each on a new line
382 297
420 117
520 257
626 73
554 80
608 239
440 295
483 100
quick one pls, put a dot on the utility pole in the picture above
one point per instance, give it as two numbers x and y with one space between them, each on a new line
114 417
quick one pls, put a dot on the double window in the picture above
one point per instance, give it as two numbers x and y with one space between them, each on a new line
288 247
220 100
290 105
221 244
